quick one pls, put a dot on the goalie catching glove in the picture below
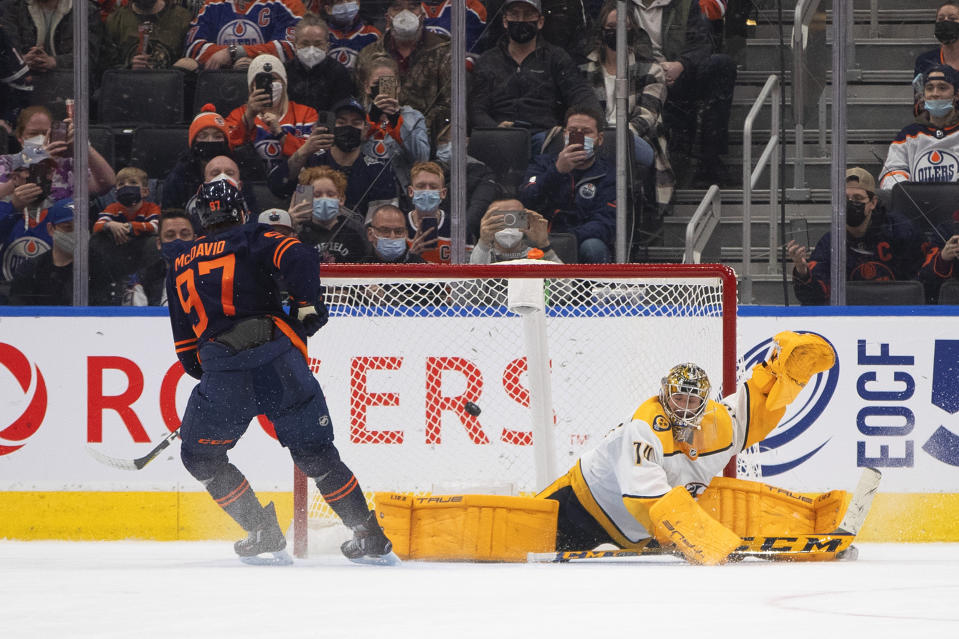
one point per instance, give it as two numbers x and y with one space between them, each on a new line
796 358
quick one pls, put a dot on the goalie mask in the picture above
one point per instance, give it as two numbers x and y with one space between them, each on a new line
684 393
220 202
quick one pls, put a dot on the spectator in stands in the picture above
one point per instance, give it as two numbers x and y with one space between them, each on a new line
148 287
368 178
429 226
565 23
928 149
647 92
388 235
940 265
524 80
43 31
481 186
501 239
397 133
23 231
33 130
229 35
947 33
880 245
146 34
47 279
335 231
16 86
122 237
423 59
438 16
576 189
278 219
696 79
222 167
349 33
275 125
313 77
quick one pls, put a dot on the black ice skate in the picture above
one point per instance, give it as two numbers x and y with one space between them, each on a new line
370 545
266 538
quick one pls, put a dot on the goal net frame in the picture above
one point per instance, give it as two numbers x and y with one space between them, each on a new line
522 297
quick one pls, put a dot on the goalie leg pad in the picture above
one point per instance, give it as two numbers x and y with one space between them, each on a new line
679 521
467 527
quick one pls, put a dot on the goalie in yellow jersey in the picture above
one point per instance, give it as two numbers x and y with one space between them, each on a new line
641 481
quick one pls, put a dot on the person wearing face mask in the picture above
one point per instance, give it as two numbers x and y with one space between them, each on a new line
388 237
928 149
47 279
228 35
423 61
368 178
429 226
500 242
146 34
42 30
314 78
524 80
275 125
334 231
481 186
147 288
398 132
576 188
349 32
946 31
23 229
880 245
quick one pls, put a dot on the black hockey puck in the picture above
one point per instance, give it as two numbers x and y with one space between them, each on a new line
472 409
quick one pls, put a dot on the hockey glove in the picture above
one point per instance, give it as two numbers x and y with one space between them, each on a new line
313 317
797 359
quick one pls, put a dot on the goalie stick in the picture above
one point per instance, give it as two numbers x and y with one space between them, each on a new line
139 462
765 547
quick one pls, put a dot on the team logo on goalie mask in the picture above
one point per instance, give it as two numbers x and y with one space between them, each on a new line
30 381
800 415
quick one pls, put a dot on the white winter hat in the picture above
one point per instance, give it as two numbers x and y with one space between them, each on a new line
275 216
265 63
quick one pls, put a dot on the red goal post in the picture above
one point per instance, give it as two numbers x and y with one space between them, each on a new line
450 378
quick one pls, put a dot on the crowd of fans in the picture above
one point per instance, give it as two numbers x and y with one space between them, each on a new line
344 122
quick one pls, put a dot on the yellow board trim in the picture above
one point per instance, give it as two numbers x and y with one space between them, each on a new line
189 516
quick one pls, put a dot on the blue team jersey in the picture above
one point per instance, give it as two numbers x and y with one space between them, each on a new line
264 26
345 45
438 19
219 279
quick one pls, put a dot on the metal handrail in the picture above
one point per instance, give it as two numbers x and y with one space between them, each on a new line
701 225
751 175
805 9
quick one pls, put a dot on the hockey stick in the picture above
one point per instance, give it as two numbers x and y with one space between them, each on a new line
767 547
139 462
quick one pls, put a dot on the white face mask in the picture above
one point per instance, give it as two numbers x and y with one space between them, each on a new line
276 90
37 140
508 238
224 176
406 25
311 56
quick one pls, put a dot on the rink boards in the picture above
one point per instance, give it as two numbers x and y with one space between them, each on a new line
111 382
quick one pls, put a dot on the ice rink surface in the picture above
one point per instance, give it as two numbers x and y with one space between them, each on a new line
148 590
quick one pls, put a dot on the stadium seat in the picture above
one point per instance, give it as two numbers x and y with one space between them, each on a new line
52 90
130 97
949 292
566 247
505 151
885 293
156 148
101 138
226 90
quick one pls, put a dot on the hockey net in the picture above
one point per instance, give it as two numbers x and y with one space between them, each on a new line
494 379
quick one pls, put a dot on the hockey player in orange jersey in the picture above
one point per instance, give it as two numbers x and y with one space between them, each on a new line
641 482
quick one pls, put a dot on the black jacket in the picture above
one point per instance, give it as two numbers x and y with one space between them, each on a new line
537 91
320 87
38 282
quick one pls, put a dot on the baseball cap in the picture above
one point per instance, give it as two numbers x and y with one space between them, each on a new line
61 211
260 64
348 104
533 3
275 216
205 119
942 72
864 177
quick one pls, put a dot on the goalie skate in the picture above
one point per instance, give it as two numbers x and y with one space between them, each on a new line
265 545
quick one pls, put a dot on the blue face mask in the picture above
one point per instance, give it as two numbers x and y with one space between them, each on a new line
426 201
325 208
444 153
939 108
390 247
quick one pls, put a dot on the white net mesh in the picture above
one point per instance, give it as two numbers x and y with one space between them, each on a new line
406 361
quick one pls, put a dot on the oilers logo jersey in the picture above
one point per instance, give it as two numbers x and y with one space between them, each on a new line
438 18
345 46
922 153
265 26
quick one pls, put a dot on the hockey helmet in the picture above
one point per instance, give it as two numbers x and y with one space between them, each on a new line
690 385
220 202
